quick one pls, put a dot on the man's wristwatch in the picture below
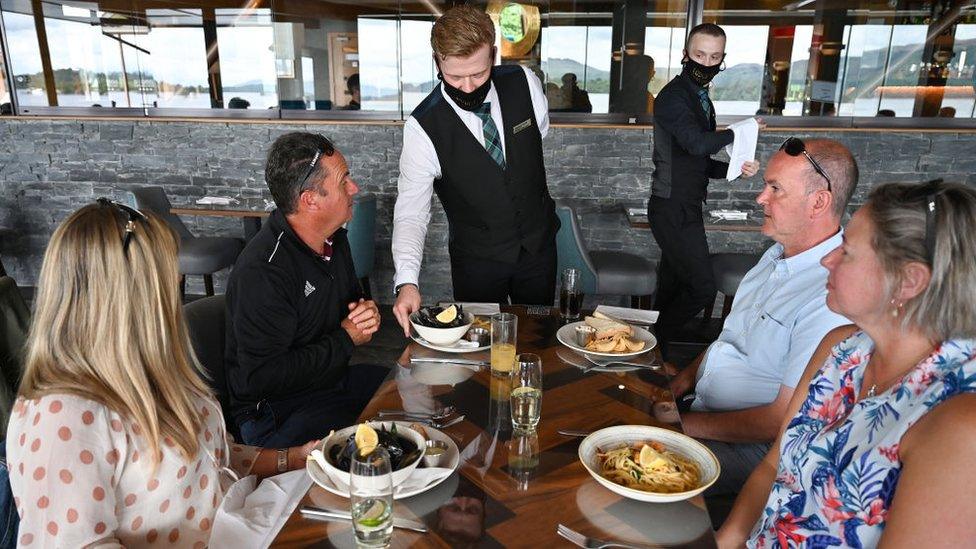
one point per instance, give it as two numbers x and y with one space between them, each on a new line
283 460
396 290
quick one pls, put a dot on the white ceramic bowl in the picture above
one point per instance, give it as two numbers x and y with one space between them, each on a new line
403 429
442 336
613 437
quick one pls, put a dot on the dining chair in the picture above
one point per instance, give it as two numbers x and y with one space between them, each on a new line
605 272
362 239
728 270
206 320
14 322
199 255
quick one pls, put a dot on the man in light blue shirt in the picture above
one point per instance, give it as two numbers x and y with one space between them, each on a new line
743 382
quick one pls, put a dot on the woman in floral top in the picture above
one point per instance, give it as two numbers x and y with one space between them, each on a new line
880 444
115 440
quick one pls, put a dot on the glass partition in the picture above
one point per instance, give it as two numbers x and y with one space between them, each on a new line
601 61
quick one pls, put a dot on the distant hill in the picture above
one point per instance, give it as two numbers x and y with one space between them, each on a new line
556 67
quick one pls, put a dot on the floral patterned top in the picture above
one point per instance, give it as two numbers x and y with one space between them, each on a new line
839 462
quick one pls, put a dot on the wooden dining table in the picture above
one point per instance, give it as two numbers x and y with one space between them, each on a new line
512 488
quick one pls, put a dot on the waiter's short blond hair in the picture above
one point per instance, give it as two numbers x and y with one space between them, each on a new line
461 31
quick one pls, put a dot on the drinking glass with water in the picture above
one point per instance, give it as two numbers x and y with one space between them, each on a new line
371 497
571 294
526 396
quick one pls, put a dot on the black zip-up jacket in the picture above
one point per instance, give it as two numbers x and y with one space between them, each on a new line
684 140
285 304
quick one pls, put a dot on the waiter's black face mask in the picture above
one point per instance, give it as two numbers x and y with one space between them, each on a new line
700 74
471 100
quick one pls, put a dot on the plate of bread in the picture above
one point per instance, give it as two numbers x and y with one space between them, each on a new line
611 337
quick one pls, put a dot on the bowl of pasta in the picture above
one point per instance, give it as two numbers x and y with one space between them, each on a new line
648 463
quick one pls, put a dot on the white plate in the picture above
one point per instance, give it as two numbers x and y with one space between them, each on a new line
567 336
613 437
579 360
454 459
455 348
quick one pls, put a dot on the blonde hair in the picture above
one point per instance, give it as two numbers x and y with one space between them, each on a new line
109 327
461 31
945 309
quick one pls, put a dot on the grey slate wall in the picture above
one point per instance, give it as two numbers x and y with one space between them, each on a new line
48 168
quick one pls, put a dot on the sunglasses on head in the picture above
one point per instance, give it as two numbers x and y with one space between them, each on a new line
931 190
794 146
328 150
130 225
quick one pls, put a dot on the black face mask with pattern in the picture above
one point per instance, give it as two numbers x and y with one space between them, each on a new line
700 74
468 101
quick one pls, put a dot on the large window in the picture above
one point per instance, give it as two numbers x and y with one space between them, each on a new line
597 60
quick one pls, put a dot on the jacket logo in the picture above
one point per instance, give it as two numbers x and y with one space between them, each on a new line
308 288
522 125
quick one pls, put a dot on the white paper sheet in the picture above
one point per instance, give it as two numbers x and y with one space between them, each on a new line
251 516
743 148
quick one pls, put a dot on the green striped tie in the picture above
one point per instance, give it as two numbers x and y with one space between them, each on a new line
493 142
703 97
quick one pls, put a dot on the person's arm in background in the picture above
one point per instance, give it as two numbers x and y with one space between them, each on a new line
749 504
265 322
411 215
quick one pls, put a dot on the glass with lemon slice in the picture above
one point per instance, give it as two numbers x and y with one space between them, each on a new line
371 490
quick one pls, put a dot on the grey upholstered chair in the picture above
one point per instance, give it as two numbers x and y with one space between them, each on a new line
206 321
605 272
729 269
362 239
199 255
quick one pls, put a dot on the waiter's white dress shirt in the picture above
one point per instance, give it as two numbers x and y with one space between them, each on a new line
419 168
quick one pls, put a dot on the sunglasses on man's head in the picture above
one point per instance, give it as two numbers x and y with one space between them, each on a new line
794 146
328 150
130 225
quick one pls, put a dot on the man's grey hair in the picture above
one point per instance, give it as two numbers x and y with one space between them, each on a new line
839 163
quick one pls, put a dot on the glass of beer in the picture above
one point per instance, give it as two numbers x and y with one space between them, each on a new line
504 327
571 294
526 397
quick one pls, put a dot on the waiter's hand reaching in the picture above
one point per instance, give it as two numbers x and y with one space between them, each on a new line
750 168
363 321
407 302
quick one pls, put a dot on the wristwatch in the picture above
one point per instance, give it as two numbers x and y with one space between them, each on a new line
396 290
283 460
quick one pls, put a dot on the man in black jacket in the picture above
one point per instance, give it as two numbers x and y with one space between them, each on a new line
684 140
294 305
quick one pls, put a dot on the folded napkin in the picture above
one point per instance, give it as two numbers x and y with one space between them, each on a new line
483 309
252 516
637 316
419 478
730 215
217 200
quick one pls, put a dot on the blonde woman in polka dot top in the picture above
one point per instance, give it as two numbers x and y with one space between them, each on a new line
115 439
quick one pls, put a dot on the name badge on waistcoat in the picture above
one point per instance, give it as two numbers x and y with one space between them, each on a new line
522 125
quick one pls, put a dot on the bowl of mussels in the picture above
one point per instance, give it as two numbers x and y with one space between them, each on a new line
442 325
405 446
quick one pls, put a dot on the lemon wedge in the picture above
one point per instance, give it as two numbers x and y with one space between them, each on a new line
447 315
650 459
366 439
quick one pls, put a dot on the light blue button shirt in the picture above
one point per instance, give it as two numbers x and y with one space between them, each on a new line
778 318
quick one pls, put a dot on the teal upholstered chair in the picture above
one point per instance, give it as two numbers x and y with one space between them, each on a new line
605 272
362 238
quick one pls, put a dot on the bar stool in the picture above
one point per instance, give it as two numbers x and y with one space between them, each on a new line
729 269
604 272
199 255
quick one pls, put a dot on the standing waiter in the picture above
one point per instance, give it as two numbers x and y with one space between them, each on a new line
476 141
684 140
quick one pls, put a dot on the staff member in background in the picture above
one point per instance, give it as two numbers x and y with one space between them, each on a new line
476 141
684 140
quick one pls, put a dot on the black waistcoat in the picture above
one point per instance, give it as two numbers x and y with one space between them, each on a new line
492 213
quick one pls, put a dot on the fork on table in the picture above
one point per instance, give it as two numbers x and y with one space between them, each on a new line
591 543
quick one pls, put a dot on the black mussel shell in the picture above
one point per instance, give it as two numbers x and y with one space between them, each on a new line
427 316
